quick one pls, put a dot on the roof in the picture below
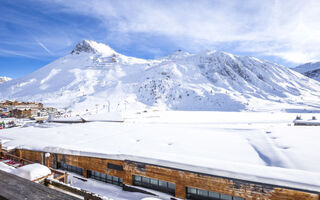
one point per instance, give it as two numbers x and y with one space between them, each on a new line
14 187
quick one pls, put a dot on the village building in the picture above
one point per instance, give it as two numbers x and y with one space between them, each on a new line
17 113
17 109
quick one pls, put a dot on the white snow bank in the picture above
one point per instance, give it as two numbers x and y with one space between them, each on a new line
307 122
6 168
104 117
67 119
32 171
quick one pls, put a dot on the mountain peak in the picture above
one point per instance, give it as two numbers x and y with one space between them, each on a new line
307 67
90 46
177 54
4 79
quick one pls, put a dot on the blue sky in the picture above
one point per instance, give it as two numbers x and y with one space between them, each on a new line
35 32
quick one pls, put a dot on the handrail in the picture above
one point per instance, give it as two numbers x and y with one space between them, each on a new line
63 175
43 177
8 155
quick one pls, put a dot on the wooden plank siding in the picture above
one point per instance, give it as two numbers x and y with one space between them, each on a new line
181 178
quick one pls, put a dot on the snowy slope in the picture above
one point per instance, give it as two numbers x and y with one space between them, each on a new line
311 70
93 77
4 79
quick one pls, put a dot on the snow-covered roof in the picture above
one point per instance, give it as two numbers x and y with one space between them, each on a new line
258 147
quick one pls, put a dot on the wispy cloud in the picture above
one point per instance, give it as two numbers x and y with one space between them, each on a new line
286 29
14 53
43 46
282 29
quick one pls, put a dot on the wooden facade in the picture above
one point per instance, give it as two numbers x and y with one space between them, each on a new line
126 170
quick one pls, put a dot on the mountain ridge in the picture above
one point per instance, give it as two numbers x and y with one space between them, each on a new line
94 75
311 70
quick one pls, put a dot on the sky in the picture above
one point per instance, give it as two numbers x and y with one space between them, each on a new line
33 33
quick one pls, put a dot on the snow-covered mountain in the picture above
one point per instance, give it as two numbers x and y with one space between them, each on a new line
4 79
94 76
311 70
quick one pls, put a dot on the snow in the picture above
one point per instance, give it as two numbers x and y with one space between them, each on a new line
311 70
256 146
6 168
307 67
32 171
90 46
307 122
67 119
109 190
104 117
94 76
98 84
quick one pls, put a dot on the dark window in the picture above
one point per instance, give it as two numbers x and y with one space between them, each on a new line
104 177
114 166
70 168
154 184
141 167
198 194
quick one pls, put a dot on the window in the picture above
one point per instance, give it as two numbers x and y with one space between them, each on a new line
154 184
226 197
114 166
163 183
198 194
70 168
214 195
137 178
104 177
192 190
238 198
171 186
203 193
154 181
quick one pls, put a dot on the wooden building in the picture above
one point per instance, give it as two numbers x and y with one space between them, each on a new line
21 104
17 113
185 184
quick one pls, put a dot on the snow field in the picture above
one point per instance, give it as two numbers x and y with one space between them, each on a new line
259 146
